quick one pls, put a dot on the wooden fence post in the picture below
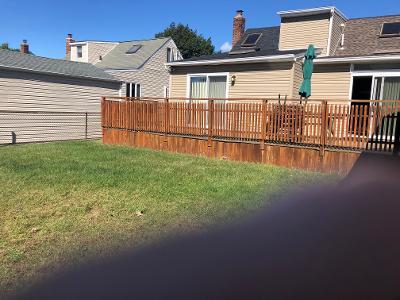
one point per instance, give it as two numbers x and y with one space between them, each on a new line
324 127
86 125
210 120
263 124
166 118
103 112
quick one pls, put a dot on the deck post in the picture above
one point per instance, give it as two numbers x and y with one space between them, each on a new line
324 123
166 119
210 120
263 124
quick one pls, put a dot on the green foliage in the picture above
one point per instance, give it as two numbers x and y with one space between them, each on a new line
7 47
188 41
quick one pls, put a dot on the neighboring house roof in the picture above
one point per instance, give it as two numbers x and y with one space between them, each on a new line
32 63
118 59
363 37
267 45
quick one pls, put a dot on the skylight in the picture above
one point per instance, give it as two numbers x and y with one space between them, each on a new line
133 49
391 29
251 39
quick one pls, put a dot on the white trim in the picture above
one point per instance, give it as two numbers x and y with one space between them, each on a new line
355 59
253 59
373 75
351 82
85 42
377 73
207 75
310 12
328 46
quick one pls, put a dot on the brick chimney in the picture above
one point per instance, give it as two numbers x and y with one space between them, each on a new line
238 27
24 48
68 41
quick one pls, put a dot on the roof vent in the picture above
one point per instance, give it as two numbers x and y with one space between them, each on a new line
133 49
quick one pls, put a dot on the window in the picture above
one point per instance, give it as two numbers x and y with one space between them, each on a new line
132 89
170 55
133 49
251 40
391 29
79 51
208 86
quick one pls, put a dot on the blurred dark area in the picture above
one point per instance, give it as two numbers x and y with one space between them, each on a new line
337 242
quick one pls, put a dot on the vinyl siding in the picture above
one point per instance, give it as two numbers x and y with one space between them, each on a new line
299 32
331 82
152 77
178 86
336 35
252 80
297 78
275 80
23 91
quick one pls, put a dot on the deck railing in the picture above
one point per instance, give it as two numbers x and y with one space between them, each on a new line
363 125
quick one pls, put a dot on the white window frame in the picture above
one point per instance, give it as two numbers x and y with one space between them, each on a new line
207 75
133 84
374 74
79 51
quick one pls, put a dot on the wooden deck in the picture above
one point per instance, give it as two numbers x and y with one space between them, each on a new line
314 136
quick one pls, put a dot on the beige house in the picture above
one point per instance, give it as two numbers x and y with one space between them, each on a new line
139 64
356 59
45 99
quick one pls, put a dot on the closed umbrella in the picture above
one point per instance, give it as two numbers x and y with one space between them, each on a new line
305 89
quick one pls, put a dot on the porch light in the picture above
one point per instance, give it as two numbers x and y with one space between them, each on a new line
233 80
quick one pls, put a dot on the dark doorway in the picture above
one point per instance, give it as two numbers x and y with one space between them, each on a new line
362 88
361 91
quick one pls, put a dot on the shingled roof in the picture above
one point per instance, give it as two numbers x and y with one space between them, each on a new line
26 62
362 36
119 59
267 45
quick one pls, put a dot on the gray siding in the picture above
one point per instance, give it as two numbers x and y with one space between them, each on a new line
54 96
152 77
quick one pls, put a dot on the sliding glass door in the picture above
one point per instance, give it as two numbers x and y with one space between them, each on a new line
208 86
391 88
203 87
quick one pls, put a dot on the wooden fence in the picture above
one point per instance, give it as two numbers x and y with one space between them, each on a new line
363 125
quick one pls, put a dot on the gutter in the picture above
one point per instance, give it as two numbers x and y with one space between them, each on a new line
356 59
311 12
243 60
58 74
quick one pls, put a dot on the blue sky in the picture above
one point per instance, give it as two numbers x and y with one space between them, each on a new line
45 23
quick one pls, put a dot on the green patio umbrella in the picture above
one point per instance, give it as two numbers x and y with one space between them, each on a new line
305 89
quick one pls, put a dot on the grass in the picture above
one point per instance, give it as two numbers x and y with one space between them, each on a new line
63 202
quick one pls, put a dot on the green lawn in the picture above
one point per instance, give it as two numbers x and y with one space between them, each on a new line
63 202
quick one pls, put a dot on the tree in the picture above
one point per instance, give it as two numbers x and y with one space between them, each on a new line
188 41
7 47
